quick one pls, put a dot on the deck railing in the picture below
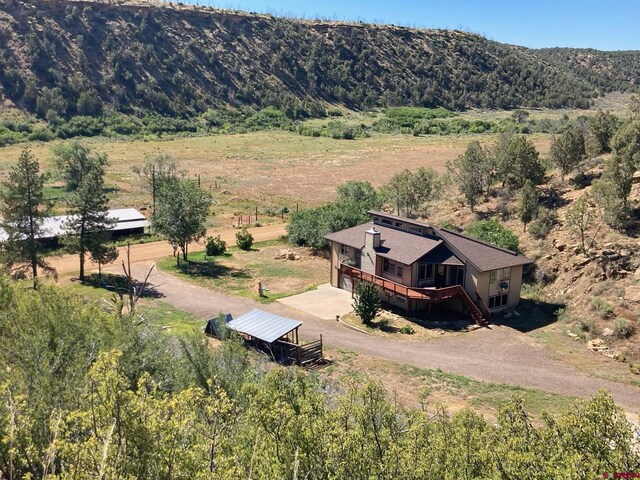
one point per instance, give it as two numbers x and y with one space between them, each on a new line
430 294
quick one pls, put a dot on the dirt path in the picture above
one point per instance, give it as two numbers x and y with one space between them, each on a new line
153 251
499 354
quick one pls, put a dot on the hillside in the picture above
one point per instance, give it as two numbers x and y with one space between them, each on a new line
77 57
608 71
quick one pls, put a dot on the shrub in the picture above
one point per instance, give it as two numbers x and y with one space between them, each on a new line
602 307
542 225
407 330
587 325
215 246
493 232
366 303
244 239
622 328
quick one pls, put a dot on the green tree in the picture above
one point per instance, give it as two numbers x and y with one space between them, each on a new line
101 253
473 172
519 116
181 213
517 161
244 239
360 194
215 246
634 105
527 203
155 171
366 301
74 160
567 151
88 221
23 207
600 130
493 232
579 218
410 191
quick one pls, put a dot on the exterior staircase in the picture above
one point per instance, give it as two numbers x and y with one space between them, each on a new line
477 309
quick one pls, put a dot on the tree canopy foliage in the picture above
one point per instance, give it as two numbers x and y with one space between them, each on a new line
22 209
492 231
120 399
309 226
181 212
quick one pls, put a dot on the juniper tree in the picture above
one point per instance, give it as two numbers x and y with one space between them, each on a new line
23 208
567 151
473 173
527 203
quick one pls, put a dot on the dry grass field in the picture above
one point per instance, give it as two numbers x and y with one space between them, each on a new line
271 168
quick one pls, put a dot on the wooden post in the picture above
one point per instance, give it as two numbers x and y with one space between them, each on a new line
256 214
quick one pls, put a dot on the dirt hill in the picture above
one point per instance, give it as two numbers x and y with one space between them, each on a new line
79 57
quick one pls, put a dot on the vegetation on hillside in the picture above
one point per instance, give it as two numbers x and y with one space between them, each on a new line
178 62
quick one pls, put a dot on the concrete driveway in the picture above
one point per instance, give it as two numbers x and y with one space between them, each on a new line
325 302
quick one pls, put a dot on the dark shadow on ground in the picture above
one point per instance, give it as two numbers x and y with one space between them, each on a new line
441 318
551 198
118 283
530 315
210 270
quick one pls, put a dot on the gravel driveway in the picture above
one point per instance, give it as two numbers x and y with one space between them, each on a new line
496 354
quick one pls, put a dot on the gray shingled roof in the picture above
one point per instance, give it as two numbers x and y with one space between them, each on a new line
484 256
396 245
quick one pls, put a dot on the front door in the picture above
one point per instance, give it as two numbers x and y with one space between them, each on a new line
441 276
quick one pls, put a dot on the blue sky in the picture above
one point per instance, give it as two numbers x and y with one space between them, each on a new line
602 24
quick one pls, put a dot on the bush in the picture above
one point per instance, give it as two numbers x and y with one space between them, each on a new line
542 225
602 307
588 325
407 330
622 328
244 239
215 246
366 303
493 232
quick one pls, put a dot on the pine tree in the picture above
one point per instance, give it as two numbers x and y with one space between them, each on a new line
23 207
88 221
527 203
567 151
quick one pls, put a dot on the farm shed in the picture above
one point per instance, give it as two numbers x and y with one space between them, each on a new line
276 335
127 221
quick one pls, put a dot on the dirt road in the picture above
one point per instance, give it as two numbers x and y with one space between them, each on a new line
155 250
499 354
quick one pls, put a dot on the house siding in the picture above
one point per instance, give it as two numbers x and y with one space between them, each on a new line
334 279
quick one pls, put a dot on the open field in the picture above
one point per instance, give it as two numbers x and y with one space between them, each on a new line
271 168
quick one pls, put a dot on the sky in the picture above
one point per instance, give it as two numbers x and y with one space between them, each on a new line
602 24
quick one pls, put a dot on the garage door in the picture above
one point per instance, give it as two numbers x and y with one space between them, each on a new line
346 283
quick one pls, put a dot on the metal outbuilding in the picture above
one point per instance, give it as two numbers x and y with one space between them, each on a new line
265 326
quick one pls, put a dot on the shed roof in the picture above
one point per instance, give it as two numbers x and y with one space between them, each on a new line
125 219
263 325
483 255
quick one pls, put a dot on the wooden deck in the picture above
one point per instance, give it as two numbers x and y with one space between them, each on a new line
478 311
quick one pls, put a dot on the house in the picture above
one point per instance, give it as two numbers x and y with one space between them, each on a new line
416 264
126 222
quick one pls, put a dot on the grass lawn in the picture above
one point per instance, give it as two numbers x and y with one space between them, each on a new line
237 272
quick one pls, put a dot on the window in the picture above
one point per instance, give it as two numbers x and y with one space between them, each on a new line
386 221
415 229
500 274
392 268
425 270
398 224
498 301
344 250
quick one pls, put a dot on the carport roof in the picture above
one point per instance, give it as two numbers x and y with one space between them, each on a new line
263 325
